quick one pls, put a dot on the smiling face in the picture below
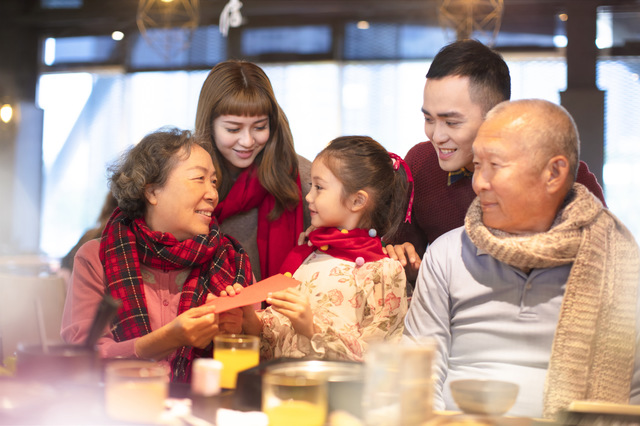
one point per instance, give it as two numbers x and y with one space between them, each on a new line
184 204
240 139
451 120
326 203
512 186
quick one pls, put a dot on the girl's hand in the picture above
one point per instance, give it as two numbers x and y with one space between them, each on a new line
294 306
251 322
231 291
230 321
238 320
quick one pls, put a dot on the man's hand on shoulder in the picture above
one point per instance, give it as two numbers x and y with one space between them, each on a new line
407 256
303 237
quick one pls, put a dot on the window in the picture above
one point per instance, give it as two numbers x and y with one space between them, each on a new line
91 118
85 50
304 40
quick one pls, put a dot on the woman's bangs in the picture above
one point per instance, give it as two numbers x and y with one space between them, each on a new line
245 104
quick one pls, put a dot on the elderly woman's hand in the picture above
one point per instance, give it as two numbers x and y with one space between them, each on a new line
197 326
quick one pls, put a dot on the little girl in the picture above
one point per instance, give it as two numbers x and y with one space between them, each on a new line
351 292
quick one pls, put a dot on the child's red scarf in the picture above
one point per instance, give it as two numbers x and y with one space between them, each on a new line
343 244
275 238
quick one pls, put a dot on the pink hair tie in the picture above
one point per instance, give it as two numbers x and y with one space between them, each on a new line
397 162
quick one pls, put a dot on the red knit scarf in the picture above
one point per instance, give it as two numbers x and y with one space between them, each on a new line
343 244
217 261
275 238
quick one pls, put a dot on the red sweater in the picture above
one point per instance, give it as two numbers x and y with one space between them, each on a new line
439 208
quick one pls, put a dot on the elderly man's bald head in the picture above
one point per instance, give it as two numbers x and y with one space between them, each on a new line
546 130
525 158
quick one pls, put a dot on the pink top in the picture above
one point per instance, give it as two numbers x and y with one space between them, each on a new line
88 284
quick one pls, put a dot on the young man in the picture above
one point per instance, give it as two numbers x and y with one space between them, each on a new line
466 79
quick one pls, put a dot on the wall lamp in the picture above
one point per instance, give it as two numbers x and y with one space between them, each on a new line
6 113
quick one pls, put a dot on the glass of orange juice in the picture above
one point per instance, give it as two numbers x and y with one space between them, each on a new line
291 398
136 390
236 352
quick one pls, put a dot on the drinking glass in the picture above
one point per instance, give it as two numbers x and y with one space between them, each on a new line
236 352
398 383
416 381
135 390
292 399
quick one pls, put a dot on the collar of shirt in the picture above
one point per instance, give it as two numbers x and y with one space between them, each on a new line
457 175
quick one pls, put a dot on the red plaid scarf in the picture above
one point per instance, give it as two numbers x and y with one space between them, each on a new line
216 260
343 244
275 238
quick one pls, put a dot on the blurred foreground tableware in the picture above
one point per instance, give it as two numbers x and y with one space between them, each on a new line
398 384
23 401
65 363
344 382
59 363
480 396
19 319
135 390
8 366
293 398
227 417
236 352
205 377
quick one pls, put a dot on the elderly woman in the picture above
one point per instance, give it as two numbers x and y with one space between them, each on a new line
162 254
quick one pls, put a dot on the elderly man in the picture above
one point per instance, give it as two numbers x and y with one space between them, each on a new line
465 80
539 287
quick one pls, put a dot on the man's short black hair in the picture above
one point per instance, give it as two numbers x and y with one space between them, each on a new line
488 73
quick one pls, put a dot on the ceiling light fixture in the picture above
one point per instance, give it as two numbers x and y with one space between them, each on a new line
168 25
479 19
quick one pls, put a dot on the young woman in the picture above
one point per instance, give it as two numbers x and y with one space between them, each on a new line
351 293
260 177
162 255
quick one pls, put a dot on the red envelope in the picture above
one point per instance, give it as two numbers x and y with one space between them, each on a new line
254 293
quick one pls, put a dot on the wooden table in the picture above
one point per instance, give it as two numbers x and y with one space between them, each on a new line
453 418
37 403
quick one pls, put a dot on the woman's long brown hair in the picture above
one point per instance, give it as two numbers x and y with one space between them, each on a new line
242 88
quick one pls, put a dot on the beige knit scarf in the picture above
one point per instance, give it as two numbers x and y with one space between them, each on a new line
593 349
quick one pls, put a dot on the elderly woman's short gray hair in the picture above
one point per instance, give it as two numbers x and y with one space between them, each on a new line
149 163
